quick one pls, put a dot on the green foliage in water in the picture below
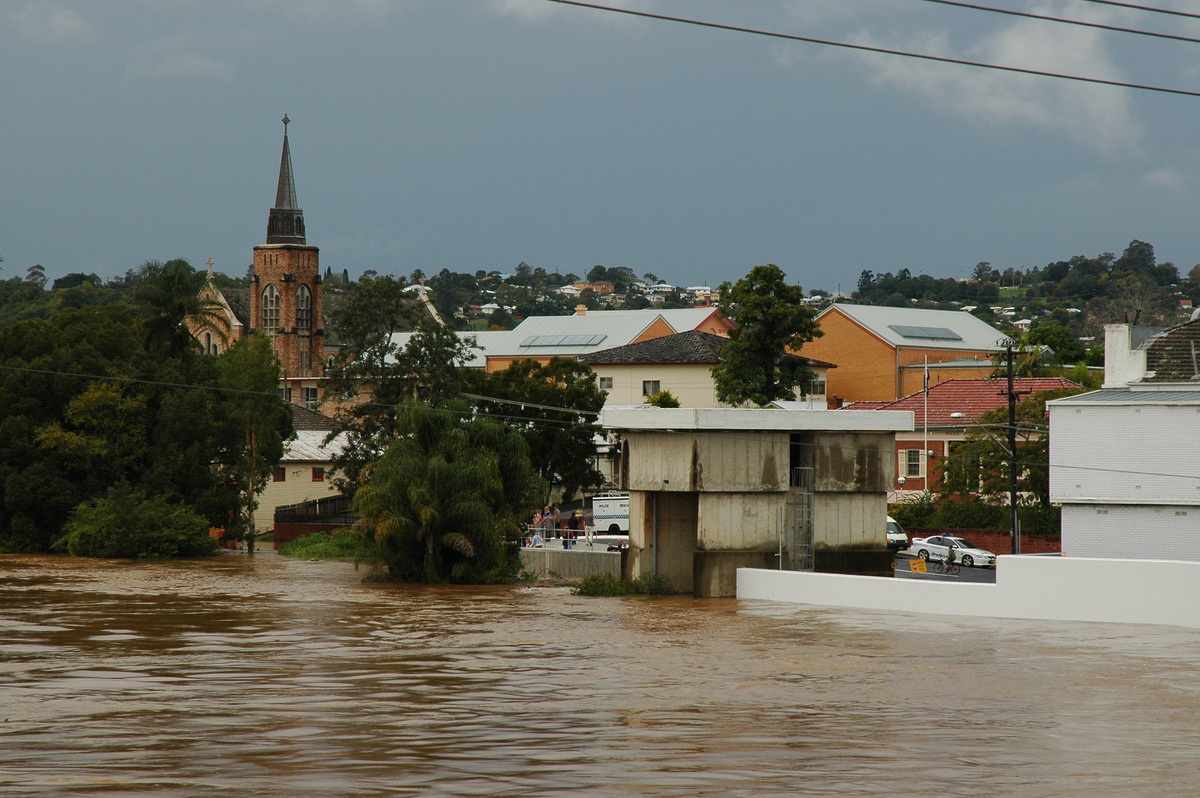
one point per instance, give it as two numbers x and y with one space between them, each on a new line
126 524
340 544
605 585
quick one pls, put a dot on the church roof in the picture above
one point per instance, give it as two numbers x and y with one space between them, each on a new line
285 224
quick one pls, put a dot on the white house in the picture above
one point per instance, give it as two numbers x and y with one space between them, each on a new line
1123 459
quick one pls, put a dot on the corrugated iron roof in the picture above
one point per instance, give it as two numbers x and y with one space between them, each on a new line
922 328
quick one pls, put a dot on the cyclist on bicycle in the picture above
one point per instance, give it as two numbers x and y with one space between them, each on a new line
950 557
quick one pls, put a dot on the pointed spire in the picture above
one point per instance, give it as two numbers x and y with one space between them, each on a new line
285 225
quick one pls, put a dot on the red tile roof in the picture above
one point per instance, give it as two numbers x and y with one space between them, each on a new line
972 398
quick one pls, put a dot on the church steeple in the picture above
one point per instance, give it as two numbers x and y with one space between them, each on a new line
285 224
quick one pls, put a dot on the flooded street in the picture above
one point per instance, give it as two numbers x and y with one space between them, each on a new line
264 676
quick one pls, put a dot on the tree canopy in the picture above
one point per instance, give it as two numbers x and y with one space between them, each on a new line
771 323
445 501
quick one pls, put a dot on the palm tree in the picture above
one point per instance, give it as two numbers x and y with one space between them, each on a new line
446 497
170 297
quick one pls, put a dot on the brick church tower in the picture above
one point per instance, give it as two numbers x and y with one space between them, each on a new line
285 291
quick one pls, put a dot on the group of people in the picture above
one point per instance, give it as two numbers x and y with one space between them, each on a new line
550 522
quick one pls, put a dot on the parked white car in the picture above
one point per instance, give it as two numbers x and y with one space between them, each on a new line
938 546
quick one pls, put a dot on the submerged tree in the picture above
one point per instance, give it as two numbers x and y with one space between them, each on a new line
445 501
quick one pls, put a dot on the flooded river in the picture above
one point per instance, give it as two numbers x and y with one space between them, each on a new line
264 676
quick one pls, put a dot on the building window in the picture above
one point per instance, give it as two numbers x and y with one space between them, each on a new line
303 360
606 383
318 474
278 474
285 393
303 308
270 308
817 388
651 387
913 461
310 398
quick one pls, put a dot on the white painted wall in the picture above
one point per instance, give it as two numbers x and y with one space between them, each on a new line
1122 363
1030 587
1160 532
1124 453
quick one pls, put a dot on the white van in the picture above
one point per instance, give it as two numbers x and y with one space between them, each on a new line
611 514
897 538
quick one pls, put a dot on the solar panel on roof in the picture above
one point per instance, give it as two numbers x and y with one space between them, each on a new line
563 340
929 333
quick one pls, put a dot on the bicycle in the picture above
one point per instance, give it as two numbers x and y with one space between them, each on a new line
942 566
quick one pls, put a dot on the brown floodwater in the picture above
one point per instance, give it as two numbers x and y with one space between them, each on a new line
264 676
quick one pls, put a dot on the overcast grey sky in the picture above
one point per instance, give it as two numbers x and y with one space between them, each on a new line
476 134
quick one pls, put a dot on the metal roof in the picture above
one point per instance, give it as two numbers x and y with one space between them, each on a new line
919 328
571 336
1124 396
309 447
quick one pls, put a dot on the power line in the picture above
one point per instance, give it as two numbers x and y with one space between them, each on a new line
878 50
1148 9
1065 21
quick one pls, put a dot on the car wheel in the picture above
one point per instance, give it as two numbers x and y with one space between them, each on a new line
968 560
924 555
613 529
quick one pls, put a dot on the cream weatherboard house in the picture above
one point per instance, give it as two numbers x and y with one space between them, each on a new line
680 363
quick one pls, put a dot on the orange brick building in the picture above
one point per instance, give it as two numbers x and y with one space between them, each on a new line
882 352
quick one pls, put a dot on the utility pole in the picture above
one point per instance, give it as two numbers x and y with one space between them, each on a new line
1012 452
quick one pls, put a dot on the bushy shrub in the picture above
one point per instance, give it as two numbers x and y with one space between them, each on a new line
126 524
605 585
342 544
916 511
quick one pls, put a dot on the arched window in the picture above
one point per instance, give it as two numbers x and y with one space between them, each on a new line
270 308
303 308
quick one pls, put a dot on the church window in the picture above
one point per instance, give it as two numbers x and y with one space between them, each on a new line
270 308
303 361
303 308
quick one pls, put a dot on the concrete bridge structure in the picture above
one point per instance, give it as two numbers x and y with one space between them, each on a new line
712 490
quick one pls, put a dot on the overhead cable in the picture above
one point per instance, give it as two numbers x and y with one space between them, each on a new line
879 50
1064 20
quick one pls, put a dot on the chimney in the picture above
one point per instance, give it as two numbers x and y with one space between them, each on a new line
834 403
581 310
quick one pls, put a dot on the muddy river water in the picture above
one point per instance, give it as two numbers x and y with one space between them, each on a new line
264 676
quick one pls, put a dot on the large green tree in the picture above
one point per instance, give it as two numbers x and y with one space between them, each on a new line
84 408
258 422
376 375
771 324
445 501
554 406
